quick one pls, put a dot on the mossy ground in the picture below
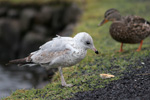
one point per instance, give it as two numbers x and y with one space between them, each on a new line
85 75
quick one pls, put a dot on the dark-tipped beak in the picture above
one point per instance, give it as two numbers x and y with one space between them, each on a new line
103 22
95 50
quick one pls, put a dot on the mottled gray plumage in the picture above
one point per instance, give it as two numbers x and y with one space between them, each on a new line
60 52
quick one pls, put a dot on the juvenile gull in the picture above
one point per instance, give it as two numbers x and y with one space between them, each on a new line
60 52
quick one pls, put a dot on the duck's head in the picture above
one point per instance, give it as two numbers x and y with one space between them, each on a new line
111 15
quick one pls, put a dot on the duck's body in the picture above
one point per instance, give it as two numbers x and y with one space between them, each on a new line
128 29
131 29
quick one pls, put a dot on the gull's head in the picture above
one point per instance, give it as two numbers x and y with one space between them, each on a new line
86 41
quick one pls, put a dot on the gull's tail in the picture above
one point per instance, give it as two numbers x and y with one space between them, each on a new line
26 60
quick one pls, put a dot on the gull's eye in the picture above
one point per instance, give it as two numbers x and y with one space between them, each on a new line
87 42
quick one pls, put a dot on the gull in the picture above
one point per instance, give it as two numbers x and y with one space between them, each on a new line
60 52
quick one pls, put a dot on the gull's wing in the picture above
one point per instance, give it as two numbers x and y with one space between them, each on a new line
52 49
57 44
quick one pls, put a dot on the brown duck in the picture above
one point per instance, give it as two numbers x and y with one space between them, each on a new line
127 29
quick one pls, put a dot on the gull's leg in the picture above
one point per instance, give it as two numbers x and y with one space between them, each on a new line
139 49
63 83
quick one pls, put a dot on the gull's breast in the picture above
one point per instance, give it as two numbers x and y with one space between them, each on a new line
73 58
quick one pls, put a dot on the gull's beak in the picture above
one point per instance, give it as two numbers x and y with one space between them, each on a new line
103 22
95 50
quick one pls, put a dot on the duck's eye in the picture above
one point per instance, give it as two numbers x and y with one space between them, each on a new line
87 42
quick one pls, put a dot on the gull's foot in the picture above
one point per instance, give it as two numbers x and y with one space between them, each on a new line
67 85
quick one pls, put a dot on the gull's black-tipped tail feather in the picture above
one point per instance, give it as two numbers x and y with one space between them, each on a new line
18 61
26 60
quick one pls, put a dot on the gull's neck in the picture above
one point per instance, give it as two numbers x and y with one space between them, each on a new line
79 44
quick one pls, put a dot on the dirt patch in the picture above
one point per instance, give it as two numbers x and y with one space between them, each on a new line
133 85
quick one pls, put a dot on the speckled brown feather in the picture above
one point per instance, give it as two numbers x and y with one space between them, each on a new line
130 29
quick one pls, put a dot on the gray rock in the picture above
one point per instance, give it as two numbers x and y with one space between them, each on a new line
3 11
40 29
30 43
56 18
71 14
9 38
27 18
68 30
44 15
13 13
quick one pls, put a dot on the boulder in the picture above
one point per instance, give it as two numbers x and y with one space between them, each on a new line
44 15
3 11
68 30
13 13
27 18
9 38
40 29
30 43
71 14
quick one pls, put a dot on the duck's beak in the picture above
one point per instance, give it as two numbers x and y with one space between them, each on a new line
103 22
95 50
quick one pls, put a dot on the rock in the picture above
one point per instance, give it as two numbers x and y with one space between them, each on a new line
71 14
56 18
25 25
27 18
13 13
3 11
30 43
44 15
68 30
9 38
47 12
41 30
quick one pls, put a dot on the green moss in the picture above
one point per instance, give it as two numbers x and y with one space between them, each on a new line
85 75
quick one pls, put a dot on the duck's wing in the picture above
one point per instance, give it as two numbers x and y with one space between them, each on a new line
138 26
136 19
